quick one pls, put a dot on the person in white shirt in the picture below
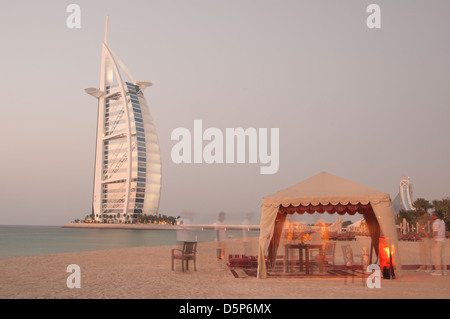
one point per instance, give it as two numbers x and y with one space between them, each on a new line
184 231
221 236
245 232
438 245
426 262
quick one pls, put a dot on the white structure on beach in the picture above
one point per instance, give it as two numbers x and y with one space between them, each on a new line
127 178
336 227
359 226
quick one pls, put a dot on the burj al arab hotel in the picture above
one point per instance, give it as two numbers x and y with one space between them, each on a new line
127 177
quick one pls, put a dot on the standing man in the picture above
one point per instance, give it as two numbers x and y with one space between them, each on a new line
438 245
425 242
245 232
221 235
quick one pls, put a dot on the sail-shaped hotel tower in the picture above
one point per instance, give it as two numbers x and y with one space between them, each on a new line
127 178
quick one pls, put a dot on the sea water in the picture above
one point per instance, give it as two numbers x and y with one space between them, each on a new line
43 240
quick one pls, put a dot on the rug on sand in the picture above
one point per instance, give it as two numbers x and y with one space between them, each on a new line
339 271
353 272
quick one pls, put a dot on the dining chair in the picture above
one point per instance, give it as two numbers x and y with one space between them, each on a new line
188 252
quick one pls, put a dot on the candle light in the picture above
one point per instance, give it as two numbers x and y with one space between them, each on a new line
386 254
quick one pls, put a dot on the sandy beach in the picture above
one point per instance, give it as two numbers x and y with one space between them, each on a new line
145 272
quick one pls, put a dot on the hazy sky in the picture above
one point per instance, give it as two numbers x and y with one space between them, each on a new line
368 105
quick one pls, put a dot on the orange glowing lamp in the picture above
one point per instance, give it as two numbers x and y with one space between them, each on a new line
386 255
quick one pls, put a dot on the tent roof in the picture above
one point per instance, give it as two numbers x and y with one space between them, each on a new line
325 188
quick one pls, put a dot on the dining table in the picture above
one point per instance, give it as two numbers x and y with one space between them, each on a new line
302 247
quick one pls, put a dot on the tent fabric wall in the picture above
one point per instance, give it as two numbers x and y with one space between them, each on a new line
275 241
384 213
266 227
324 189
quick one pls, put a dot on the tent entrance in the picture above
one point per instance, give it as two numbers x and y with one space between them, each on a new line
365 210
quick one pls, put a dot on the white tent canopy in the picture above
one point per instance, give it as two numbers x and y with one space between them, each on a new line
331 194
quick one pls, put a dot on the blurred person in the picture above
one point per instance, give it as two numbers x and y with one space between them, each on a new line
245 232
289 232
325 233
438 245
426 261
317 234
184 232
221 235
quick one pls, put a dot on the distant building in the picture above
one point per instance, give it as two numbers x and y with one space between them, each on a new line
403 200
127 178
359 226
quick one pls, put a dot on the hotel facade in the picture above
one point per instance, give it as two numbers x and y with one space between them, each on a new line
127 177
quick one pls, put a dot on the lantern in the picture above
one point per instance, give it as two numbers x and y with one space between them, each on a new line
386 255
